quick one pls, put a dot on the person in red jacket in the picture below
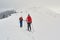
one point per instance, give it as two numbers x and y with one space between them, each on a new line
29 21
21 21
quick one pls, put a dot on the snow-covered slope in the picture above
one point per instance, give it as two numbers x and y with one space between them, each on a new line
45 26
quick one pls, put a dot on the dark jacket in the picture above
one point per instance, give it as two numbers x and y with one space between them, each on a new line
21 19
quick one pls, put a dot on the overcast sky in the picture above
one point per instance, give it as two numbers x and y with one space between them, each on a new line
52 4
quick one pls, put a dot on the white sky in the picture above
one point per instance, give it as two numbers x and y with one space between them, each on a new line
52 4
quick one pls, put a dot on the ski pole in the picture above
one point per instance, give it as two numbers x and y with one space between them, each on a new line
32 28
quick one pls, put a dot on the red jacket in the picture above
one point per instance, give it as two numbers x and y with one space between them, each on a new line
20 18
29 19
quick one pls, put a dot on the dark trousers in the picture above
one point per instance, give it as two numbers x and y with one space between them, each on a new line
21 23
29 26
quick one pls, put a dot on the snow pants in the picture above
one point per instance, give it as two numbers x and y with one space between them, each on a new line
29 26
21 23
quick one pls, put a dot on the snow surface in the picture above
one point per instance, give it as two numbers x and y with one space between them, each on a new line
45 26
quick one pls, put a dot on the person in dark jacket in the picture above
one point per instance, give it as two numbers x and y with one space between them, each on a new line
21 21
29 21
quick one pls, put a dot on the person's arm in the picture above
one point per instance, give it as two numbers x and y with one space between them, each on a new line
31 20
22 19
